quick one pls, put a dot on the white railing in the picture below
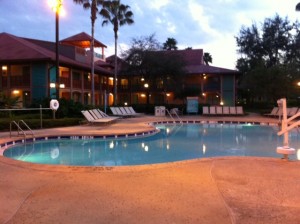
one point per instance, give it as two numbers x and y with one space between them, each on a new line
287 124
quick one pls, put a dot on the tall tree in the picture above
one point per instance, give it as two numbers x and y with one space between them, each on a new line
93 6
170 44
269 57
207 58
118 15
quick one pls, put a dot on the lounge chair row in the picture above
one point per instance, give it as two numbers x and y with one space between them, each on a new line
277 112
223 110
124 111
97 116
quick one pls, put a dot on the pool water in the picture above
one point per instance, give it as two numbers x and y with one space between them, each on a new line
173 143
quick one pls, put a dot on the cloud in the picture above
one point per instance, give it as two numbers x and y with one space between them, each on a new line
203 20
158 4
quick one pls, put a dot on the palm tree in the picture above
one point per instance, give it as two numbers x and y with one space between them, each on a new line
93 6
117 14
207 58
170 44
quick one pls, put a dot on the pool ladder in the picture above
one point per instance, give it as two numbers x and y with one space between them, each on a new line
174 112
19 129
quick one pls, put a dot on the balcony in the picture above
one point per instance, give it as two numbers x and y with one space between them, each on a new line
65 81
87 84
77 84
4 81
19 81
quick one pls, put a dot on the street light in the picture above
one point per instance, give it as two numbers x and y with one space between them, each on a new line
56 6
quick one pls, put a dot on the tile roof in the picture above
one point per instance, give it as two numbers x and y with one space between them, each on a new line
194 63
13 48
82 40
208 69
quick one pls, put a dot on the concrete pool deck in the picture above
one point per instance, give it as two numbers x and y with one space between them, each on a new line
214 190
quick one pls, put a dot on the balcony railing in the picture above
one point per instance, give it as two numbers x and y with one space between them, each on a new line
4 81
65 81
87 84
77 84
19 81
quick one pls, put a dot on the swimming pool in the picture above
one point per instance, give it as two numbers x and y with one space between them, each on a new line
172 143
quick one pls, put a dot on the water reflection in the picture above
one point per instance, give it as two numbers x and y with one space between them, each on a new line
172 143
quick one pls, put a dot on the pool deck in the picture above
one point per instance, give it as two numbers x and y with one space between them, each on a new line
214 190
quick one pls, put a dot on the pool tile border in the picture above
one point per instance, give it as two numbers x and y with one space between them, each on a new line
6 145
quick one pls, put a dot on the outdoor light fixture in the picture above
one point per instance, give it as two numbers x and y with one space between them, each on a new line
168 94
146 85
142 79
62 86
16 92
125 103
221 103
52 85
4 68
298 83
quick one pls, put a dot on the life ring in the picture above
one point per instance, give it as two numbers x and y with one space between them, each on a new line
54 104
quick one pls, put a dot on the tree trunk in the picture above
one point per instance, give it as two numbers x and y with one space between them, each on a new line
116 71
93 65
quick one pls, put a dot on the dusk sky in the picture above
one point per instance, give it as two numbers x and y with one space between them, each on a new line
200 24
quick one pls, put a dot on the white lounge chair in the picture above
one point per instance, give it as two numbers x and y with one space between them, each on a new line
273 112
219 110
212 110
239 110
91 119
205 110
292 111
114 111
232 111
123 111
117 112
132 111
226 110
101 114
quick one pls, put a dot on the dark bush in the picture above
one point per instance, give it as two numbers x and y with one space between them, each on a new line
36 123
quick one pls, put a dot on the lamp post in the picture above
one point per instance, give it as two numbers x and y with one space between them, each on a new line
56 46
56 6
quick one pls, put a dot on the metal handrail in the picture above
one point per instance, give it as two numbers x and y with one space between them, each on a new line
19 128
170 115
174 112
26 127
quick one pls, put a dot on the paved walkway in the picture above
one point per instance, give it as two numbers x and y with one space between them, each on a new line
216 190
